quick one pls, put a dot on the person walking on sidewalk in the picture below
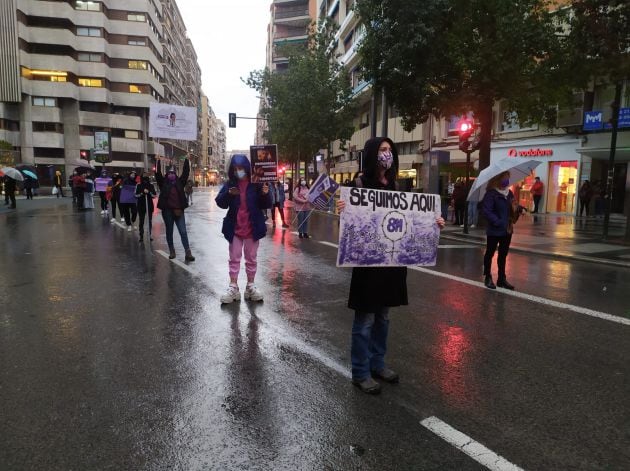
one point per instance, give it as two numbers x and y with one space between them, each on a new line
114 200
78 187
88 194
374 290
302 208
10 185
501 211
243 226
537 190
585 194
29 183
145 193
59 184
172 202
188 189
277 202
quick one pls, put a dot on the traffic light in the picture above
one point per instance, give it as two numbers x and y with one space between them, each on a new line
465 129
84 154
232 120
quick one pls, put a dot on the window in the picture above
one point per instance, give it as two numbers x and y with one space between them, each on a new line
45 75
137 65
44 101
94 32
90 82
87 5
58 78
136 17
39 126
89 57
135 88
133 41
129 134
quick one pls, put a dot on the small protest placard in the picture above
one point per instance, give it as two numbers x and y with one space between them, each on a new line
264 163
321 191
388 228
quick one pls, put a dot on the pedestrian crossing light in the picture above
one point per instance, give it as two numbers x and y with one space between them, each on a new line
232 120
465 128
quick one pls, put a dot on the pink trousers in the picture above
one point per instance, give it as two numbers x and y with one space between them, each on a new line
237 248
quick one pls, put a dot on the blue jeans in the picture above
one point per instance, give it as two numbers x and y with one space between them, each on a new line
369 342
302 222
169 221
472 213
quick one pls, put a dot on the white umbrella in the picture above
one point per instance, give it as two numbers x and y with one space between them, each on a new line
82 163
519 168
13 173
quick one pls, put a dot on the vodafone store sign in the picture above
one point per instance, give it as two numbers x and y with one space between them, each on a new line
533 152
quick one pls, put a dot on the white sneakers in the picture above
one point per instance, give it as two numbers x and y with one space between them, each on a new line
112 220
233 294
129 229
252 293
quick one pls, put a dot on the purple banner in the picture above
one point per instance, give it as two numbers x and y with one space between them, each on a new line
388 228
128 194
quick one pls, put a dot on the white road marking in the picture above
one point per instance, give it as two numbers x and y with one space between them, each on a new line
516 294
469 246
188 268
467 445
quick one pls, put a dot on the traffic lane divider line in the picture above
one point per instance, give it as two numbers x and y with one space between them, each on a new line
528 297
180 264
467 445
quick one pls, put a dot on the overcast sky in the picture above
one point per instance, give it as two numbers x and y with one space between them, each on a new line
230 38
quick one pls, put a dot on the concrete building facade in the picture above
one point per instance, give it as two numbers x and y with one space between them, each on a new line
77 67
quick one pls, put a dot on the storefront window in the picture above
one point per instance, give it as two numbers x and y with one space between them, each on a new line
562 186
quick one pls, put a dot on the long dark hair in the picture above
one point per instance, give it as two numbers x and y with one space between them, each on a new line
370 160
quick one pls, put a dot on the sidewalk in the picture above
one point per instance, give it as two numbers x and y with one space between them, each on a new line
560 237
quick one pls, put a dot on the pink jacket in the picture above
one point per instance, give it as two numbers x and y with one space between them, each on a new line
299 199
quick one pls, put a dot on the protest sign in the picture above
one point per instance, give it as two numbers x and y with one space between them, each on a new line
388 228
172 121
264 163
321 191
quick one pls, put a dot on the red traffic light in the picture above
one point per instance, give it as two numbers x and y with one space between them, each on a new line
465 127
84 154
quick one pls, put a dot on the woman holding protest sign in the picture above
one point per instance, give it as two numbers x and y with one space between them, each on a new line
373 290
302 208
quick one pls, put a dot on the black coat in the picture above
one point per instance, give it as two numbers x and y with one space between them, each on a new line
376 287
142 197
165 186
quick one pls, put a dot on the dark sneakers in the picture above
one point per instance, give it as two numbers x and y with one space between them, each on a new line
503 283
386 375
488 282
367 385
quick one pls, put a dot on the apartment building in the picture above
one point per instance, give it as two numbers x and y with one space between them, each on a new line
77 67
575 150
212 147
182 78
289 24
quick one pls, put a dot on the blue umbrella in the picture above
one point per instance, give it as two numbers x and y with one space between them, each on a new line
28 173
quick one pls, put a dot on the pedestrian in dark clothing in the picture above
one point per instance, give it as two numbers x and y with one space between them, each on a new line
145 193
277 200
459 202
585 194
29 183
71 185
78 186
501 211
188 189
101 184
373 290
117 182
128 201
172 202
10 185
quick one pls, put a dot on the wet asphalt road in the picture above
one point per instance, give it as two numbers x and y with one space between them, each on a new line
112 357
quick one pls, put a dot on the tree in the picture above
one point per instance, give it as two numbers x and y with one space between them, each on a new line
448 57
6 154
311 103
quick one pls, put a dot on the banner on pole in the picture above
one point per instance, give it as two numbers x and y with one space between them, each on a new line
321 191
264 163
388 228
172 121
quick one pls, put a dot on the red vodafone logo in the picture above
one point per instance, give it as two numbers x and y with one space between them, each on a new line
533 152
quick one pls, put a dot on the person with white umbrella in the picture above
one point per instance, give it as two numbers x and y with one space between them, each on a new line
501 211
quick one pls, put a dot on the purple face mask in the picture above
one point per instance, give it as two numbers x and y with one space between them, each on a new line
171 177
